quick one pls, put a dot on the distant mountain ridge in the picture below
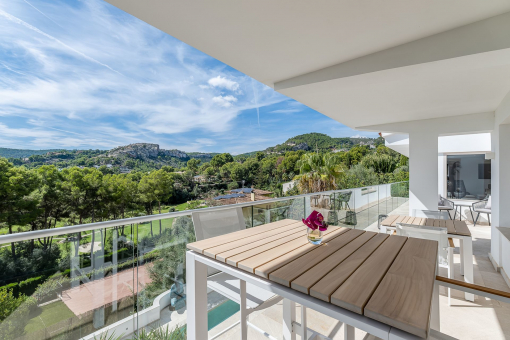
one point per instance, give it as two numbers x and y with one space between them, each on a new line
145 156
21 153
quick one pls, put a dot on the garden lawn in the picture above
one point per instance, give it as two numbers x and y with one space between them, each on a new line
49 315
145 229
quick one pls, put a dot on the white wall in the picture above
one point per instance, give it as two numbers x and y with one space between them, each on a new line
423 173
501 184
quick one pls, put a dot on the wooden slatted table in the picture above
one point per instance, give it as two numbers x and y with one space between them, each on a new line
382 284
456 229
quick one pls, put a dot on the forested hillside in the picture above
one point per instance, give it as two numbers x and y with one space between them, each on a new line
20 153
147 156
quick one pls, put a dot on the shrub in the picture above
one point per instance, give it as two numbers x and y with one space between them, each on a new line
29 286
233 185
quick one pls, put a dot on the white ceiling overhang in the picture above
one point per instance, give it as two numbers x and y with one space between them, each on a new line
362 63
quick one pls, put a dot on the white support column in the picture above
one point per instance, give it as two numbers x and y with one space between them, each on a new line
442 183
289 316
196 298
423 170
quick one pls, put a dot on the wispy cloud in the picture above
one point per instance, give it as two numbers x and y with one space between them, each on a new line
83 74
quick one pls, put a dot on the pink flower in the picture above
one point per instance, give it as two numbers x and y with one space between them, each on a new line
315 221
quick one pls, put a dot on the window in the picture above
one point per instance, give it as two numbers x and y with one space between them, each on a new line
469 176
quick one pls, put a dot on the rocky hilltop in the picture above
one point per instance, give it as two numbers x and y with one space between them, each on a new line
145 151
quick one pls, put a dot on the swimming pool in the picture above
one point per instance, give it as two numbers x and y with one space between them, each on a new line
221 313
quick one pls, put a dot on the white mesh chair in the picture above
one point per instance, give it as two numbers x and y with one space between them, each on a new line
446 205
438 215
211 224
483 207
445 244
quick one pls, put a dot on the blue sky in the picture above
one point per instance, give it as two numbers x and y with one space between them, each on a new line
84 74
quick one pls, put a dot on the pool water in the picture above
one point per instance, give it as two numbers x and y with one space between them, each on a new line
221 313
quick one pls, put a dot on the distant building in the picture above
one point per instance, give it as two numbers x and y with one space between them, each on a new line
288 186
243 195
124 170
199 179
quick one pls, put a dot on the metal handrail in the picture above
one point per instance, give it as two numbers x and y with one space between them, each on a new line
25 236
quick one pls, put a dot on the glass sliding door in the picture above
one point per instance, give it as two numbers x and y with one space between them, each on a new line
469 176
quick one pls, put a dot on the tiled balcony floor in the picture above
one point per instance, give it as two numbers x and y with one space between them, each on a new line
482 319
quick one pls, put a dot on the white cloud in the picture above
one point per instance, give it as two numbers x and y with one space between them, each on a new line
225 101
286 111
223 83
358 136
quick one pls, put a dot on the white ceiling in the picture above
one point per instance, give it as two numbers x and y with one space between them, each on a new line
273 41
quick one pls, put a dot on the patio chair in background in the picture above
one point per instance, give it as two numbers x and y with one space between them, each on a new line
446 205
483 207
445 244
211 224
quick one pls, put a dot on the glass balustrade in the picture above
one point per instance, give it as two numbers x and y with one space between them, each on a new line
129 277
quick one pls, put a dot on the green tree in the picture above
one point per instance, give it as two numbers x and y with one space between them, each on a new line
381 162
17 207
219 160
52 201
193 164
319 173
158 187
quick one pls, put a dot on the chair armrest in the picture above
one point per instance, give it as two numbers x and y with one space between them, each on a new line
450 203
479 205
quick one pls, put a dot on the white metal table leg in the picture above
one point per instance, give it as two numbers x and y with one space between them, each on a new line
348 332
451 273
434 311
303 323
196 298
468 264
289 316
462 262
244 311
383 229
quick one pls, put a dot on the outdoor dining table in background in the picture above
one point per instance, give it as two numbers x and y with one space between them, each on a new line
456 229
366 280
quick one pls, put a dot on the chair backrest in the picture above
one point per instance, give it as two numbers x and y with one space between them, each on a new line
439 215
216 223
428 233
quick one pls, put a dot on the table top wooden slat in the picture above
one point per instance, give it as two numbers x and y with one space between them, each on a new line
355 292
281 261
290 271
461 228
389 220
450 226
283 241
313 275
399 219
259 259
335 278
223 251
386 278
403 298
454 227
200 246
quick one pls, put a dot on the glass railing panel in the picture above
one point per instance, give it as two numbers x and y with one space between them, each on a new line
67 286
161 272
263 213
399 194
342 204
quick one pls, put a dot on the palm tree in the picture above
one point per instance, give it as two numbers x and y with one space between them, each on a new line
318 173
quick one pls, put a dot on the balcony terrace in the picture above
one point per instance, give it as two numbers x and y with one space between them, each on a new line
136 283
